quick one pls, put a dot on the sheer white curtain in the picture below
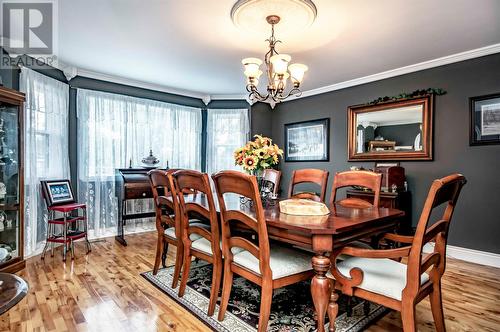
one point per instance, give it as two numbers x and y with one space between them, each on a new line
46 148
114 129
227 130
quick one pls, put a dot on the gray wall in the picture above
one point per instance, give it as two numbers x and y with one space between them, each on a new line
10 76
476 222
261 119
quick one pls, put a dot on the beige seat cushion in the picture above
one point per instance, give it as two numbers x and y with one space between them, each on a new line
205 246
380 275
283 261
171 231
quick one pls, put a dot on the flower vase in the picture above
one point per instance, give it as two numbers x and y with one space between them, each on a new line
258 173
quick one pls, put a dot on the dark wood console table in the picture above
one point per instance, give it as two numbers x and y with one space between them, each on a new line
131 183
398 200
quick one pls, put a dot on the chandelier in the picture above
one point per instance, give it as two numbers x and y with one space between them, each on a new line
278 72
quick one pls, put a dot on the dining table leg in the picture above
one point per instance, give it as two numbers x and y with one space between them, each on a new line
321 288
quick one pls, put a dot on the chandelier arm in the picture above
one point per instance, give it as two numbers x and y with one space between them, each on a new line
294 91
256 94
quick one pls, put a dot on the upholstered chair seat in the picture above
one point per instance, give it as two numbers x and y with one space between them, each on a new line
283 261
380 275
205 246
193 237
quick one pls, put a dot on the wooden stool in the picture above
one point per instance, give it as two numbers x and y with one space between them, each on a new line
68 234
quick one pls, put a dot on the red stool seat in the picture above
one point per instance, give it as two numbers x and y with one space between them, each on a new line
64 208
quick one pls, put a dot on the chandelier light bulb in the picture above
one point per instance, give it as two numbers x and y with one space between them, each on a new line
280 81
297 71
254 80
280 63
252 66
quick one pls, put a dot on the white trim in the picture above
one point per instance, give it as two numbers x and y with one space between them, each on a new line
229 97
471 54
467 55
469 255
140 84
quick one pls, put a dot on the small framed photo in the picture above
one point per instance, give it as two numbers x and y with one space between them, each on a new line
485 119
57 192
307 140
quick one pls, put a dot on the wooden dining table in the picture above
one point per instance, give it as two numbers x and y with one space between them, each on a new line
321 234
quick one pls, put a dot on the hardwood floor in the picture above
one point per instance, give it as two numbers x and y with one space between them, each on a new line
104 292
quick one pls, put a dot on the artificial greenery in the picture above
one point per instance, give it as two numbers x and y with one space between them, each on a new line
405 95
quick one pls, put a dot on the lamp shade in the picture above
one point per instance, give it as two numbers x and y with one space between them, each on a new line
280 63
251 66
297 71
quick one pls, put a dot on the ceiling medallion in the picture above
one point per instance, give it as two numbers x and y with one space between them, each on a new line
278 70
295 14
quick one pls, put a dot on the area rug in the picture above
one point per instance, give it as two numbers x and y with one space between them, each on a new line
291 309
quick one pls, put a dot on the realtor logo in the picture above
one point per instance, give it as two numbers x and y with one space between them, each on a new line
28 27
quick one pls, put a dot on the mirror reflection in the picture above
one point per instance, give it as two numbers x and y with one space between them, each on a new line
390 130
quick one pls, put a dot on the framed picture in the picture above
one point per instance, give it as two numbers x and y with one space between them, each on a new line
57 192
485 119
307 141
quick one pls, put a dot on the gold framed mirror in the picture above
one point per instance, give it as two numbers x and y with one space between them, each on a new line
394 130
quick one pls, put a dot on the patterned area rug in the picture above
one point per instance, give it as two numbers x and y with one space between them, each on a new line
291 309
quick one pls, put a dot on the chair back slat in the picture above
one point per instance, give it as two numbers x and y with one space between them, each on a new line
365 179
234 182
443 191
192 182
163 206
244 218
311 175
243 243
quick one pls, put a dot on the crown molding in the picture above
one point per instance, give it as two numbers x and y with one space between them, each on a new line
140 84
229 97
449 59
457 57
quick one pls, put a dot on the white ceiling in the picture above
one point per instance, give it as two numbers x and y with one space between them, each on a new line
193 45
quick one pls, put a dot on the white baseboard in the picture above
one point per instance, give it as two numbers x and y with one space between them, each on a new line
469 255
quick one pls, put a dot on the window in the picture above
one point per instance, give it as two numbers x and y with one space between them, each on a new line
116 130
227 130
46 147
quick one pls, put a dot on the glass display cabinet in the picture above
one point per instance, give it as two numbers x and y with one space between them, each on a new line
11 180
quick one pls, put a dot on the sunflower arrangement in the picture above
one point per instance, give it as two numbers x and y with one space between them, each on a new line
258 155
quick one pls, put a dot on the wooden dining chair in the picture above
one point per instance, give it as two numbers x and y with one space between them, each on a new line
206 246
272 176
167 222
374 275
269 267
311 175
365 179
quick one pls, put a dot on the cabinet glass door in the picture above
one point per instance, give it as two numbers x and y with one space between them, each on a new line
9 183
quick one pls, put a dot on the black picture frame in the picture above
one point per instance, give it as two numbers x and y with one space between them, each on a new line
484 131
319 128
57 192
